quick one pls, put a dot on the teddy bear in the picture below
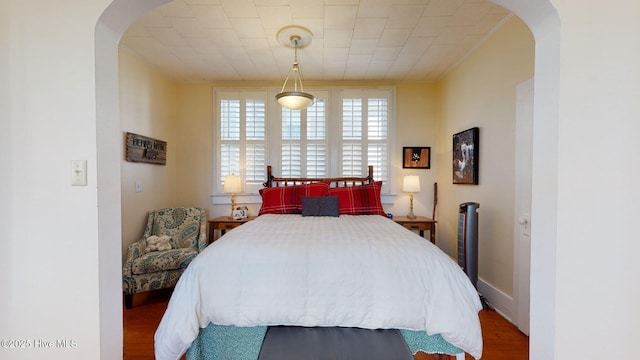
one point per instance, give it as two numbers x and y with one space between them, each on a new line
157 243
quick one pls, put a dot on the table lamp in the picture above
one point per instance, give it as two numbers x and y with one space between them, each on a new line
411 184
232 185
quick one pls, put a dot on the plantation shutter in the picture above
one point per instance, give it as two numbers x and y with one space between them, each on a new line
331 138
242 138
303 141
365 133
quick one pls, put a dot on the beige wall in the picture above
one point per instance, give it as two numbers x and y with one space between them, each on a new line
482 92
148 106
182 115
417 125
195 134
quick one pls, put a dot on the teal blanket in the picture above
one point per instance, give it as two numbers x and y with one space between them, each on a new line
435 344
219 342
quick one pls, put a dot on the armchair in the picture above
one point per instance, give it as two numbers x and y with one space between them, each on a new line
146 270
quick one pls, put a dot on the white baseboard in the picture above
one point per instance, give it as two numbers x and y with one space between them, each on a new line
499 301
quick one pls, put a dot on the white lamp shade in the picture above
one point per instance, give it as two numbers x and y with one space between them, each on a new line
232 184
411 184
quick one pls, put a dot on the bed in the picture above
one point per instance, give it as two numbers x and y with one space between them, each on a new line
321 253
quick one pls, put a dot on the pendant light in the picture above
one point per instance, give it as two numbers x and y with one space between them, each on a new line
296 99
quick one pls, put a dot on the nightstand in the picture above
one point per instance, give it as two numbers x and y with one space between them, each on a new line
223 223
420 223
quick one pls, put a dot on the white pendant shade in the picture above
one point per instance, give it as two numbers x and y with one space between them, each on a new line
295 100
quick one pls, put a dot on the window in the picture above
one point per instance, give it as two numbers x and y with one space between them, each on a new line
331 138
304 141
365 132
242 138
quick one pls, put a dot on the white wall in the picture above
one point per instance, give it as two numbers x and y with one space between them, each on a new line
583 240
598 292
49 228
6 181
6 158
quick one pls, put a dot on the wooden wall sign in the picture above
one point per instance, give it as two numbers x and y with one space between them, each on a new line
145 149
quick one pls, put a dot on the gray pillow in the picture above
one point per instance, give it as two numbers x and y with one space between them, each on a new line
320 206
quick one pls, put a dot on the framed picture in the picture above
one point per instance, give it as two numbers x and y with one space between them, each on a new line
465 156
416 157
239 214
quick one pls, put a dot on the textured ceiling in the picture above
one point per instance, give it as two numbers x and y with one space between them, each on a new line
235 40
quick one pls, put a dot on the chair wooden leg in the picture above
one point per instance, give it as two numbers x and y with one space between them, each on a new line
128 301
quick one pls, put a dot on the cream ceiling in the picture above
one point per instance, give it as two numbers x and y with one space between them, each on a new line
235 40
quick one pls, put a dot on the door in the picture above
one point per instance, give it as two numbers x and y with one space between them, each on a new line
522 238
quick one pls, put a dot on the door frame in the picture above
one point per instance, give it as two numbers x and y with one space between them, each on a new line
522 204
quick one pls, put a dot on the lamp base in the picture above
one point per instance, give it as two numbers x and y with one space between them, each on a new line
233 205
411 215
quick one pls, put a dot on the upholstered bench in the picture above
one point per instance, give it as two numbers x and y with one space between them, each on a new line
333 343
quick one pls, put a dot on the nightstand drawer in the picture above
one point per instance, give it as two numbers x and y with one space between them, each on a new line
229 226
416 226
419 223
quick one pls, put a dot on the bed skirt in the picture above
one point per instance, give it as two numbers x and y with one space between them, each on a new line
219 342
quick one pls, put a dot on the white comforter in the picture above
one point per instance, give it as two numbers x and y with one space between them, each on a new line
354 271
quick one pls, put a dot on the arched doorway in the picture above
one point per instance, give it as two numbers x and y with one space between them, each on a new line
543 22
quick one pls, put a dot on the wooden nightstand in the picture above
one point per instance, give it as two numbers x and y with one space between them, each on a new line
420 223
223 223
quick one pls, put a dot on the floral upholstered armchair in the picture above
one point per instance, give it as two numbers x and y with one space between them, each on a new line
172 238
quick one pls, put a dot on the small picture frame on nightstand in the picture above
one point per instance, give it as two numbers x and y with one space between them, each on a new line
239 214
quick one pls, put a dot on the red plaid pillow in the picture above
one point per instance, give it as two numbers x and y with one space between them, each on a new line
279 200
359 200
288 199
313 189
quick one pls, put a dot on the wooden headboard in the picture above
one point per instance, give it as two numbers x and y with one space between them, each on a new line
273 181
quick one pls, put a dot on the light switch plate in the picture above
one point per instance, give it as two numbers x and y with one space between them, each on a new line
79 172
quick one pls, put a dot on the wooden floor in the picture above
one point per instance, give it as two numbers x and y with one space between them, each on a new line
502 340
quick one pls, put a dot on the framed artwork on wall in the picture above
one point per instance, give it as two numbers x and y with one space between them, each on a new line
465 156
416 157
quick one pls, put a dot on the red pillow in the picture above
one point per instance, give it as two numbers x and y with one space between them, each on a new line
359 200
288 199
279 200
313 189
